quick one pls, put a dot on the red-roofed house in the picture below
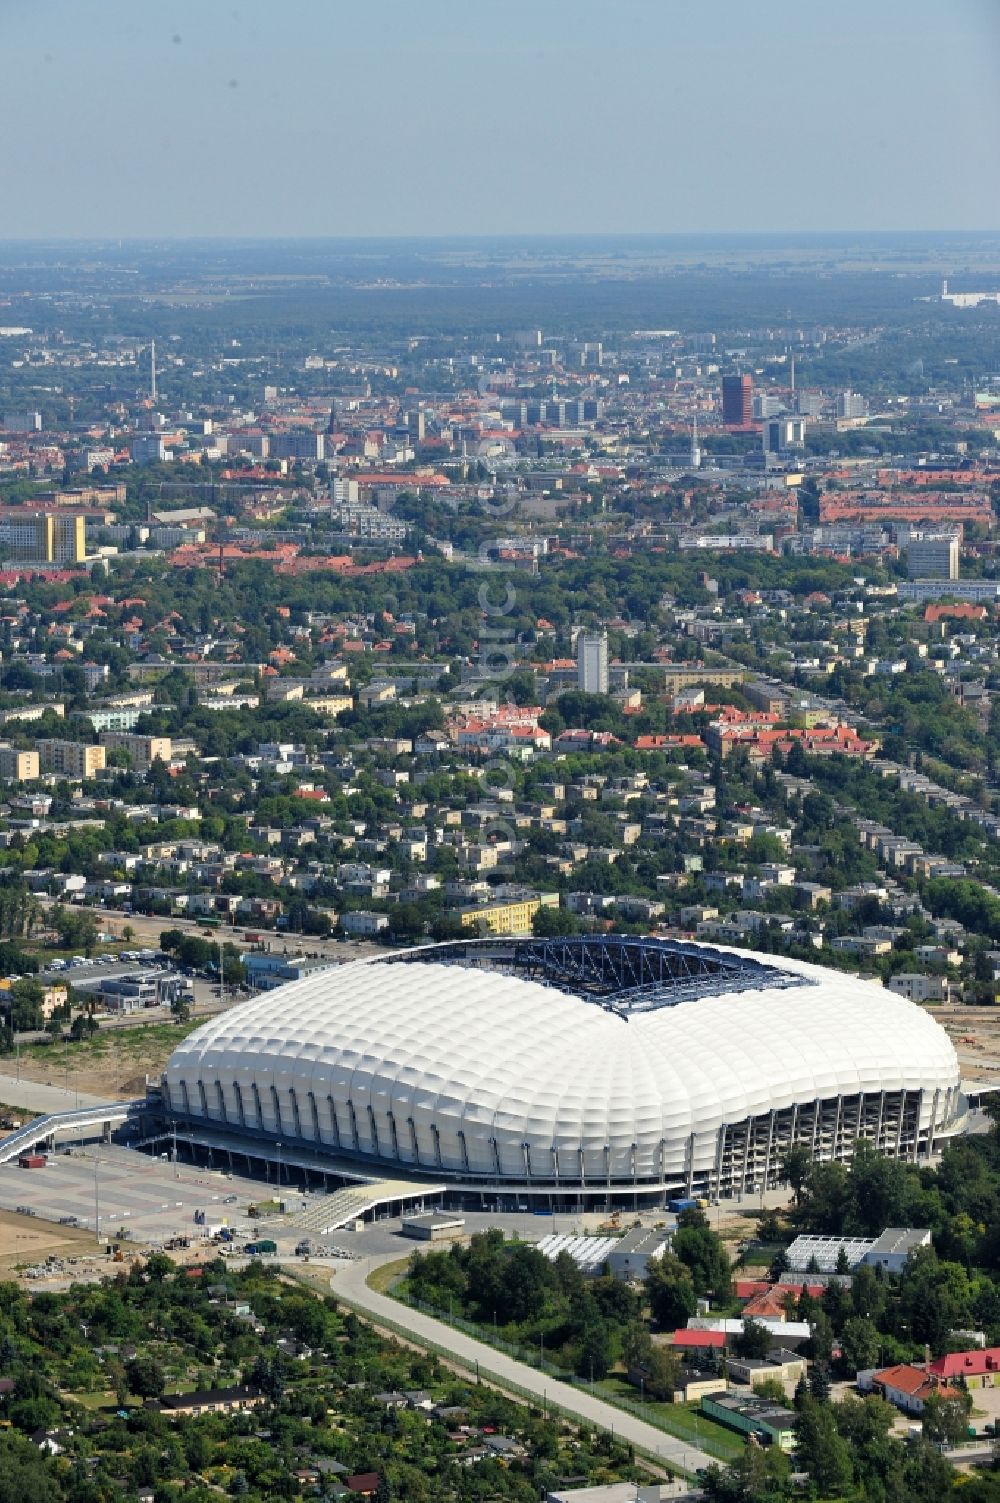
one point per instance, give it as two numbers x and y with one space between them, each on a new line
699 1341
770 1304
979 1368
961 611
905 1386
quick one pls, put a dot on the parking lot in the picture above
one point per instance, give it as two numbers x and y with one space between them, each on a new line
152 1200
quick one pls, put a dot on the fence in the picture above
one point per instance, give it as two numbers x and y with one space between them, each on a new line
650 1413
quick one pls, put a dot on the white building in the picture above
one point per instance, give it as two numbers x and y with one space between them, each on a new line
592 662
933 556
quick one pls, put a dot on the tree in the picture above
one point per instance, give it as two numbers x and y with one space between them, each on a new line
825 1201
662 1370
946 1416
268 1375
670 1292
145 1377
594 1355
757 1476
26 996
821 1450
819 1383
859 1341
753 1341
24 1476
696 1245
549 923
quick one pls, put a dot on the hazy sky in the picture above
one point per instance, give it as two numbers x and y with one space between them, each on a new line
323 117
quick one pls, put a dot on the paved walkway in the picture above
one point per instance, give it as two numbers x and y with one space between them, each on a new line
37 1098
349 1283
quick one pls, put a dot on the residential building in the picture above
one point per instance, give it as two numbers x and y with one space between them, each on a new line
851 404
919 987
363 924
508 916
22 421
148 448
976 1369
45 537
933 555
904 1385
18 766
592 662
298 445
143 750
71 759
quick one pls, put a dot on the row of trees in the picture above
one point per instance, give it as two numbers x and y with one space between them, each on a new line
585 1325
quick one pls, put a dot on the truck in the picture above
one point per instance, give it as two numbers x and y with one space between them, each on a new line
682 1203
31 1161
265 1245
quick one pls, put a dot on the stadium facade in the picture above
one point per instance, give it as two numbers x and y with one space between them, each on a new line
597 1070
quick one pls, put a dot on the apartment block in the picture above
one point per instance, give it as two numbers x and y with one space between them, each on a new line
18 766
143 750
43 537
71 759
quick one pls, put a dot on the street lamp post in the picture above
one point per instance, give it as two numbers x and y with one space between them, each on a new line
279 1167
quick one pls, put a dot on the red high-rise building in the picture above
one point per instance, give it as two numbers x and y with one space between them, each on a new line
737 401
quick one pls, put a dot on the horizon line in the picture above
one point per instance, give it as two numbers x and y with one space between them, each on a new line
478 236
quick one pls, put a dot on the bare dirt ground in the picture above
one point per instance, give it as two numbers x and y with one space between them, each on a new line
975 1033
114 1065
28 1239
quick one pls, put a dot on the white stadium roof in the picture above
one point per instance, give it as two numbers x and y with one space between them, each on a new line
490 1075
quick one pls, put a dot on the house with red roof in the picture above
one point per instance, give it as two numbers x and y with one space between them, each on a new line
978 1369
698 1341
959 610
908 1386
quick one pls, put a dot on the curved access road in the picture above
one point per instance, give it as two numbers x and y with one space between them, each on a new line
350 1285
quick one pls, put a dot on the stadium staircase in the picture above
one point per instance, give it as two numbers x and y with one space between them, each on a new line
353 1203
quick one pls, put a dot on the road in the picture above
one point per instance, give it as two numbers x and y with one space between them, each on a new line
349 1283
146 930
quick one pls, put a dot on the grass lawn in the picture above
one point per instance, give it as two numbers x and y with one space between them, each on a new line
681 1420
382 1279
99 1400
125 1042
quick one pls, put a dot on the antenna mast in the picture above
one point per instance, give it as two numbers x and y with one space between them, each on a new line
152 371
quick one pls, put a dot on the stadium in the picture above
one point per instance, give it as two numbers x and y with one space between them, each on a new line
591 1070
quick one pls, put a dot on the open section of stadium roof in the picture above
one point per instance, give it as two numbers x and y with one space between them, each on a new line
624 974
